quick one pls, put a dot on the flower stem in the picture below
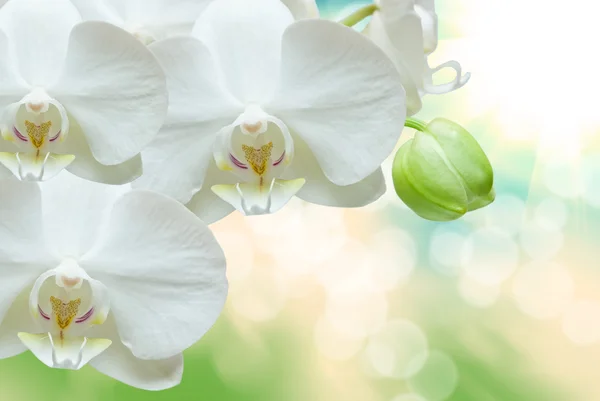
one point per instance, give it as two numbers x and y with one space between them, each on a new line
415 124
359 15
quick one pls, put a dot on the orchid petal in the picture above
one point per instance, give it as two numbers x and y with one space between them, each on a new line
119 363
404 29
114 88
98 10
175 162
429 20
87 167
302 9
319 190
342 96
73 212
412 80
245 38
165 273
23 255
17 319
12 85
39 30
206 204
163 18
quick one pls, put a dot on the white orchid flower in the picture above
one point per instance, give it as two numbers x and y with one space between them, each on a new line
123 280
84 96
264 108
407 31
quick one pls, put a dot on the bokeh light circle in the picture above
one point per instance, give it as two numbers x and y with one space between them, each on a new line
438 378
551 214
408 397
477 294
399 350
391 258
490 256
335 344
581 322
539 242
506 213
301 249
561 178
262 296
590 167
445 251
543 290
357 313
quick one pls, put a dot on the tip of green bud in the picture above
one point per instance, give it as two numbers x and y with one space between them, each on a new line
443 173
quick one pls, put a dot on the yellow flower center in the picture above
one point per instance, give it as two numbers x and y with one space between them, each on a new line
258 159
38 133
64 312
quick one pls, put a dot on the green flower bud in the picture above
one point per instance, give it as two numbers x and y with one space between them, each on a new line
442 173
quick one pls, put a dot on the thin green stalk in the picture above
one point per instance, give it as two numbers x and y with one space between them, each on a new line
359 15
415 124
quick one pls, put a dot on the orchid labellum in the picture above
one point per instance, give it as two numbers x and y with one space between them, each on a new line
123 280
85 96
262 109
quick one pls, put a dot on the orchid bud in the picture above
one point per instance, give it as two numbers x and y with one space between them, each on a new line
443 173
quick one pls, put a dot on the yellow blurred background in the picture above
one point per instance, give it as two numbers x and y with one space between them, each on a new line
376 304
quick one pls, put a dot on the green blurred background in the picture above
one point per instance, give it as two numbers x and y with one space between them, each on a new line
378 305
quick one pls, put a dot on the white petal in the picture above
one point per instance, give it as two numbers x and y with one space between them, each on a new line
429 5
12 85
162 18
429 21
17 319
119 363
175 162
165 273
302 9
245 37
403 27
73 211
69 353
342 95
323 192
39 30
23 255
115 89
319 190
412 80
98 10
206 204
87 167
253 200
